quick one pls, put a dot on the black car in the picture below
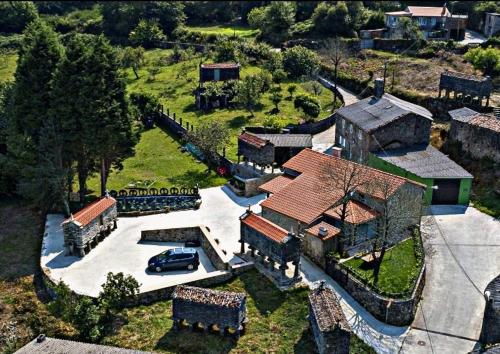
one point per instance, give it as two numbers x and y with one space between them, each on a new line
176 258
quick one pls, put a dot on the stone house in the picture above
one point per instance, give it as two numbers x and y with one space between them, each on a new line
207 307
434 22
393 135
87 227
272 241
303 200
329 325
271 149
491 24
478 133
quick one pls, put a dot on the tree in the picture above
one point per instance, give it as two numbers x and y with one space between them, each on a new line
342 178
226 51
147 34
409 28
117 290
276 97
333 19
210 138
399 210
336 51
249 92
300 61
147 104
16 15
133 58
87 319
485 59
314 87
291 90
309 105
274 20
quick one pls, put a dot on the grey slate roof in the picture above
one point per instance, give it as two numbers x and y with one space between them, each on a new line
462 114
288 140
61 346
372 112
424 161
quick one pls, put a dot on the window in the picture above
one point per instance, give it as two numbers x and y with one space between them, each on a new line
360 135
350 128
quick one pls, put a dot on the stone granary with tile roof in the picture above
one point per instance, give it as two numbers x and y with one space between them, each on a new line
330 328
478 133
83 230
467 88
393 135
47 345
205 308
304 200
271 241
271 149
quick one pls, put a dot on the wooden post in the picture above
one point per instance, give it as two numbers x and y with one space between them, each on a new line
224 151
180 120
168 112
174 116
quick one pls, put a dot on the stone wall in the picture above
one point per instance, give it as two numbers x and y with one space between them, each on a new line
476 141
262 156
195 233
490 332
397 312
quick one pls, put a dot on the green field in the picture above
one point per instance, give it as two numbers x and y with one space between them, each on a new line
8 62
226 30
277 324
174 85
398 271
158 162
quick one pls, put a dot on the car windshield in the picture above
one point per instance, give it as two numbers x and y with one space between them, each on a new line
167 253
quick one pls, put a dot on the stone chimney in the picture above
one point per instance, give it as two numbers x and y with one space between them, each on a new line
378 89
337 151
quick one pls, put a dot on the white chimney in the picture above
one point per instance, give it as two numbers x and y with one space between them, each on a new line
337 151
322 231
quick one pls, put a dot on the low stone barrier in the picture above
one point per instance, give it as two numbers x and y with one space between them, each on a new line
195 233
397 312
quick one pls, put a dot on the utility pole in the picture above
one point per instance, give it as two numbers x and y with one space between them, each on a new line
393 74
385 72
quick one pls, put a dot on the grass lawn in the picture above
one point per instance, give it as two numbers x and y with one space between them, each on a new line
159 163
8 61
277 323
226 30
398 271
174 85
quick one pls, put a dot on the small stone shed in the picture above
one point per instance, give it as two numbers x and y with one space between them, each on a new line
83 230
206 307
219 72
478 133
330 328
271 149
490 332
271 241
467 88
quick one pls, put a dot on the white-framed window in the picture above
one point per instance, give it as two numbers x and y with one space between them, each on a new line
341 141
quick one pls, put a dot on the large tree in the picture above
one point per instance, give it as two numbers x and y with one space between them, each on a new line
336 51
274 20
249 92
210 138
15 15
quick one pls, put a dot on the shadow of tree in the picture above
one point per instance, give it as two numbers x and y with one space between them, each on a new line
238 122
305 344
192 177
266 297
188 341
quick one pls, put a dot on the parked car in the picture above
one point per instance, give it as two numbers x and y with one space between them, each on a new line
176 258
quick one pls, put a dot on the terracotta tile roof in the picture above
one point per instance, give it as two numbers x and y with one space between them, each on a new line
220 66
423 11
91 211
307 197
331 230
265 227
276 184
469 116
357 213
252 139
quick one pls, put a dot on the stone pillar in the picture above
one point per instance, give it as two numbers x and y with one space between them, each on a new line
283 268
296 270
81 251
242 246
271 265
252 251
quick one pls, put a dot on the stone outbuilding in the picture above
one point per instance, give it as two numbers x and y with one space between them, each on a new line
490 332
272 242
478 133
83 230
467 88
330 328
207 308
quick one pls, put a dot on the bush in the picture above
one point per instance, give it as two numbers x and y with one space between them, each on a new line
487 60
117 289
309 105
300 61
147 34
147 104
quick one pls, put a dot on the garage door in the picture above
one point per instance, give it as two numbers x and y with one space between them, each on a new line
447 191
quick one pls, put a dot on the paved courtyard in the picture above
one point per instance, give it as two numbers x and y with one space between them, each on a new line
464 257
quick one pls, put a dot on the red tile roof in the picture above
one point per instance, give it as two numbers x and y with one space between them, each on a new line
423 11
332 231
220 66
308 196
357 213
486 121
91 211
265 227
252 139
276 184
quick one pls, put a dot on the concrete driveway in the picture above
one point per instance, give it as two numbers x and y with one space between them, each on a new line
463 257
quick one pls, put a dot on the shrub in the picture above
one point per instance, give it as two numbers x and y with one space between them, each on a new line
300 61
117 289
309 105
147 104
487 60
147 34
